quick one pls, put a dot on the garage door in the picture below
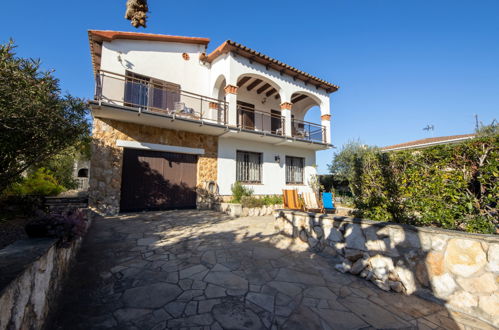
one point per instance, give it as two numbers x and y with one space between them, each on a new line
154 180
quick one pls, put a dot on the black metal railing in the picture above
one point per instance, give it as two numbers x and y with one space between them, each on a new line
305 130
157 96
256 120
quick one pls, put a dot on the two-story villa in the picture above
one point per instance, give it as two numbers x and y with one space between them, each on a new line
170 119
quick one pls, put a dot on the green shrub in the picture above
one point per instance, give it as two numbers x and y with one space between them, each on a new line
272 199
61 167
252 201
39 183
449 186
480 224
239 191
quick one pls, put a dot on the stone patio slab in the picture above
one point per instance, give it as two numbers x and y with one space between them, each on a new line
202 269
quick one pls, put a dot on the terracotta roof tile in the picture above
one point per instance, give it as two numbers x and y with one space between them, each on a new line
270 62
96 37
112 35
429 141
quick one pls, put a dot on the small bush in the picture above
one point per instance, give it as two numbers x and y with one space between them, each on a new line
66 227
251 201
239 191
39 183
480 224
272 199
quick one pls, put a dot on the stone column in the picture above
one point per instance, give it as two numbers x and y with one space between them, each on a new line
326 122
231 98
286 112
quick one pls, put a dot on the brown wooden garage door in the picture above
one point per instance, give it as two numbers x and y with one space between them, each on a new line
154 180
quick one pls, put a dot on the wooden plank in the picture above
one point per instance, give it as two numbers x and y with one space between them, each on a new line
254 84
270 92
262 89
299 98
243 81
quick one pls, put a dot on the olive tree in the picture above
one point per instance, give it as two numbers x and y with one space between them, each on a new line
36 120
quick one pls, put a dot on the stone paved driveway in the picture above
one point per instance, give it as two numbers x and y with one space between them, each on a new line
201 269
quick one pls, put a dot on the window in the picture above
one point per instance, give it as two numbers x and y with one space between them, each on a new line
246 115
144 91
294 170
249 167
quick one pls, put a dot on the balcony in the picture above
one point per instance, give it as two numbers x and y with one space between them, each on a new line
156 96
308 131
255 120
140 99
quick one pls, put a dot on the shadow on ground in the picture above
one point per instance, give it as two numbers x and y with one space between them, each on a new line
202 269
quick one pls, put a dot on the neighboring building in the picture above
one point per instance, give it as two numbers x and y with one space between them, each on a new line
429 142
81 173
170 119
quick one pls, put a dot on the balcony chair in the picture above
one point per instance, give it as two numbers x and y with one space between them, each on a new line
279 131
182 110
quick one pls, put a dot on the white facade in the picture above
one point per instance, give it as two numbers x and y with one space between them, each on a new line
185 64
273 172
161 60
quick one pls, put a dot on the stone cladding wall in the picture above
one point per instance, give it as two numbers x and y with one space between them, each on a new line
107 158
458 269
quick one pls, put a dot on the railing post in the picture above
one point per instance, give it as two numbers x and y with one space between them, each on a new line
326 126
231 96
286 112
201 108
226 109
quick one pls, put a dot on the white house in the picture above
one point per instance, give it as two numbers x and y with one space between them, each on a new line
170 119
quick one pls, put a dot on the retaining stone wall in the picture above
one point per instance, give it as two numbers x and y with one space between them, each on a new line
460 270
32 272
237 210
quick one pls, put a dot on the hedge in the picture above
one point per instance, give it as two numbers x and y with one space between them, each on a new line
450 186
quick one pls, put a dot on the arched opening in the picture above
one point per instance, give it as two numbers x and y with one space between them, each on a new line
259 104
217 111
83 173
306 117
218 88
303 102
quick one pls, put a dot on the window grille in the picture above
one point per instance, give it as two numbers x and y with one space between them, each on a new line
249 167
294 170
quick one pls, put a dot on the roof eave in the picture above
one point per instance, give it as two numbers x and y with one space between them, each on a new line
270 63
97 37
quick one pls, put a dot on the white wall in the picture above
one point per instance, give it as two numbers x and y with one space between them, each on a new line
287 86
273 174
161 60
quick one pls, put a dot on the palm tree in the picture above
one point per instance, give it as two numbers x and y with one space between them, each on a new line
136 12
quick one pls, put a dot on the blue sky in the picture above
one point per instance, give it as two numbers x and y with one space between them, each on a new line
400 64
